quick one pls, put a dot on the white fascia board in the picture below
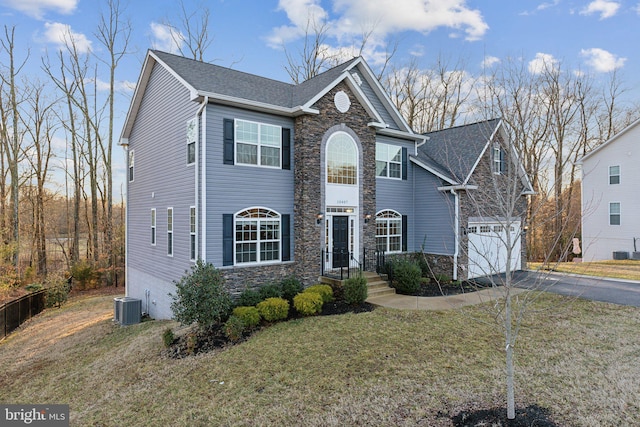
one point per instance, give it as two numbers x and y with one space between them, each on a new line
136 100
607 142
436 173
484 150
253 105
402 134
457 187
382 93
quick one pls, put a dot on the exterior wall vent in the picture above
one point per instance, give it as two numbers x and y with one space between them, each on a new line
126 310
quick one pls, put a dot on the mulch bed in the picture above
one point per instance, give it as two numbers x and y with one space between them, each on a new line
532 415
434 289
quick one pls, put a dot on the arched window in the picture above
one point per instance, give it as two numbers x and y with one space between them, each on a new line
388 231
342 159
257 237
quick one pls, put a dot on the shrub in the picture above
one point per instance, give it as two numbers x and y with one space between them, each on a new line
270 291
84 275
56 296
406 277
308 303
355 290
33 287
273 309
290 288
201 297
234 327
325 292
442 278
249 298
250 316
167 337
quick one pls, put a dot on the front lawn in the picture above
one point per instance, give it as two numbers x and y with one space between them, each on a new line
578 359
619 269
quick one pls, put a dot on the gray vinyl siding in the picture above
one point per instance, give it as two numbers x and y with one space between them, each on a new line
231 188
162 179
375 101
435 217
397 194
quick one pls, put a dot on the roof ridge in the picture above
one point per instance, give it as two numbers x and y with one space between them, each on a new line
463 125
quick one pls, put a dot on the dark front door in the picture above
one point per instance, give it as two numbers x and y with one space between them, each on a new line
340 241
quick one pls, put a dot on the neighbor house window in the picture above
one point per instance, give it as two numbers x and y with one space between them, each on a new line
614 174
258 143
170 231
614 213
498 159
389 231
257 236
131 165
342 158
388 161
192 232
153 226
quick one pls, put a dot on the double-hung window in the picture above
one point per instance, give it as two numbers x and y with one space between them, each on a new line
389 231
257 236
153 226
170 231
499 161
192 233
614 213
614 174
192 137
342 159
131 158
388 161
258 144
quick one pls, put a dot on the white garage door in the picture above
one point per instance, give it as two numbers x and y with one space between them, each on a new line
488 248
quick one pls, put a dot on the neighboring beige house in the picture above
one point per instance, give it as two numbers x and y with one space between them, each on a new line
611 197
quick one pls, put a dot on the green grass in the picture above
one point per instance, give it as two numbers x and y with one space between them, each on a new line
577 358
619 269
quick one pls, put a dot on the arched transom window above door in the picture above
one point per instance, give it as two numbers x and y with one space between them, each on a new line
342 159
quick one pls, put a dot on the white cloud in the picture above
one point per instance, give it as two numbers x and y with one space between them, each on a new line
119 85
605 8
350 19
166 38
489 61
37 8
542 62
637 8
62 35
541 7
601 60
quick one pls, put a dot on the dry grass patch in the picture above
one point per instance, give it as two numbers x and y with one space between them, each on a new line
619 269
386 367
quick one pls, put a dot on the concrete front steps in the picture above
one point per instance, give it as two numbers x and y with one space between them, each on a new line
378 285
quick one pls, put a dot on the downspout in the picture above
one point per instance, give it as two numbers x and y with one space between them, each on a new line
126 223
456 227
201 146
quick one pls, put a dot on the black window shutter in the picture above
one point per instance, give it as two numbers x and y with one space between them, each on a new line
503 165
405 233
404 163
286 148
227 239
228 141
286 237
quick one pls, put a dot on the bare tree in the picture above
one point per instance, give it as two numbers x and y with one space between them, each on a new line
314 56
192 31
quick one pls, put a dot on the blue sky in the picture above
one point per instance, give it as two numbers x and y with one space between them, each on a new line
597 36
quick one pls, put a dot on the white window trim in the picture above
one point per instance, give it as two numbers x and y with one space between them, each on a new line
170 235
154 229
388 161
619 213
618 175
326 163
258 144
192 138
193 233
131 172
497 162
258 241
387 236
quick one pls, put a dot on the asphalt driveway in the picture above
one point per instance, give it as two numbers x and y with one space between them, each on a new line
617 291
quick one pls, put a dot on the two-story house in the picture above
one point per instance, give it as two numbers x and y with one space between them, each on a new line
266 179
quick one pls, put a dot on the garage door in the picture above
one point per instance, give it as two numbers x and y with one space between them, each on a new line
488 248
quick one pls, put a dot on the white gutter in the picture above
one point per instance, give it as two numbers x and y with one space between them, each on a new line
457 187
254 105
201 146
456 233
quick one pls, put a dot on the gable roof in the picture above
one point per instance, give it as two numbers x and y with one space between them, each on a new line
608 142
232 87
457 150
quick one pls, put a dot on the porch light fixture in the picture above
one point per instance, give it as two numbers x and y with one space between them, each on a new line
319 217
367 217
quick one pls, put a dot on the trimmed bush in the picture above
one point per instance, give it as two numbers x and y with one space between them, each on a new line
270 291
201 297
168 337
406 277
308 303
290 288
250 316
325 292
273 309
355 290
248 298
234 328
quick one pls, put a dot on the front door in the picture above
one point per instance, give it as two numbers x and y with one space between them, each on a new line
340 241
